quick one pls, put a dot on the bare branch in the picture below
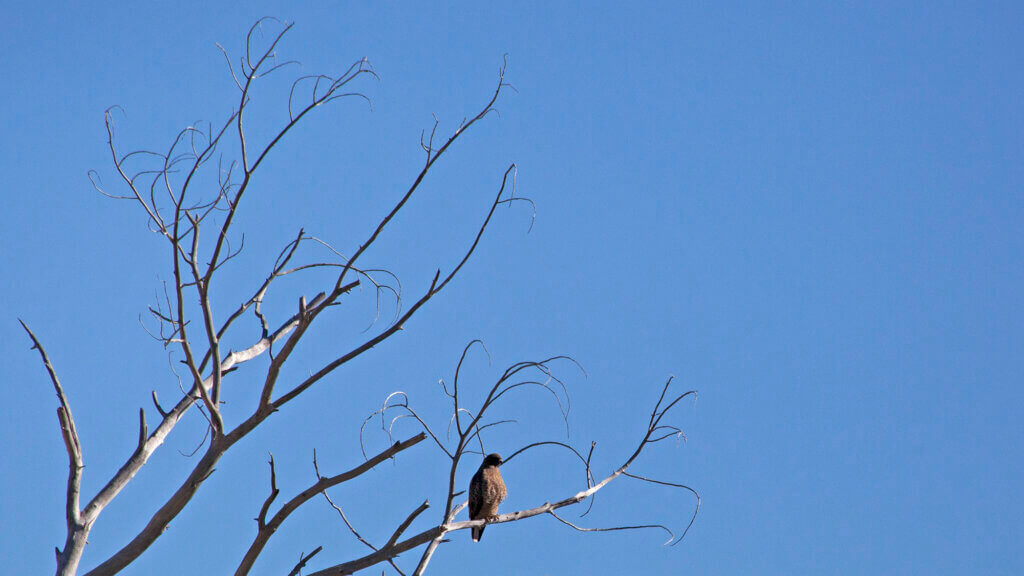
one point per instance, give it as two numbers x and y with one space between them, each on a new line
188 258
437 532
613 528
544 443
202 469
434 536
302 561
409 412
342 514
164 184
673 484
261 518
305 317
77 528
382 555
405 524
356 534
156 402
323 483
435 288
458 369
143 429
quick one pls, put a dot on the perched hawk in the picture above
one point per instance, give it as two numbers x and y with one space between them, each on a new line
486 491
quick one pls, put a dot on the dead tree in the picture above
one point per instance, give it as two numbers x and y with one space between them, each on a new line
164 186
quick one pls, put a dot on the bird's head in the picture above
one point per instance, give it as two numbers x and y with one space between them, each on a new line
492 460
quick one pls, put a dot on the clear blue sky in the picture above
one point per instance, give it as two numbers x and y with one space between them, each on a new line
811 212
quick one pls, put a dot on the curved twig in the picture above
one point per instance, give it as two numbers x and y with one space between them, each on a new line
671 536
675 485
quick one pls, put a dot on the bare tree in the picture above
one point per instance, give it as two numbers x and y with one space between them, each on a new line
164 186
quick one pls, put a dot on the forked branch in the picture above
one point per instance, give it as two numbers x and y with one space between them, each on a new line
266 528
77 529
164 185
435 535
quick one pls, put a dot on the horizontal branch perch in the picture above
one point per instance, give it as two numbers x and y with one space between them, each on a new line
179 212
433 536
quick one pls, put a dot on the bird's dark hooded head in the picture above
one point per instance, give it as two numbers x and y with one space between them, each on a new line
492 460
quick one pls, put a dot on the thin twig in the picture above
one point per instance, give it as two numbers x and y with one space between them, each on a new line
302 561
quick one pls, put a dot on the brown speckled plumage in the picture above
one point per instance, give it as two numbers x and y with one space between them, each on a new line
486 491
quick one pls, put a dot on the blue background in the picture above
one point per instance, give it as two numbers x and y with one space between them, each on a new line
811 212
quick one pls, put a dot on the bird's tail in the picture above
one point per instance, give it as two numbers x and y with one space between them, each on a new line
478 531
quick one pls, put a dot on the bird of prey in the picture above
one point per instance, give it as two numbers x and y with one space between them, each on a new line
486 491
